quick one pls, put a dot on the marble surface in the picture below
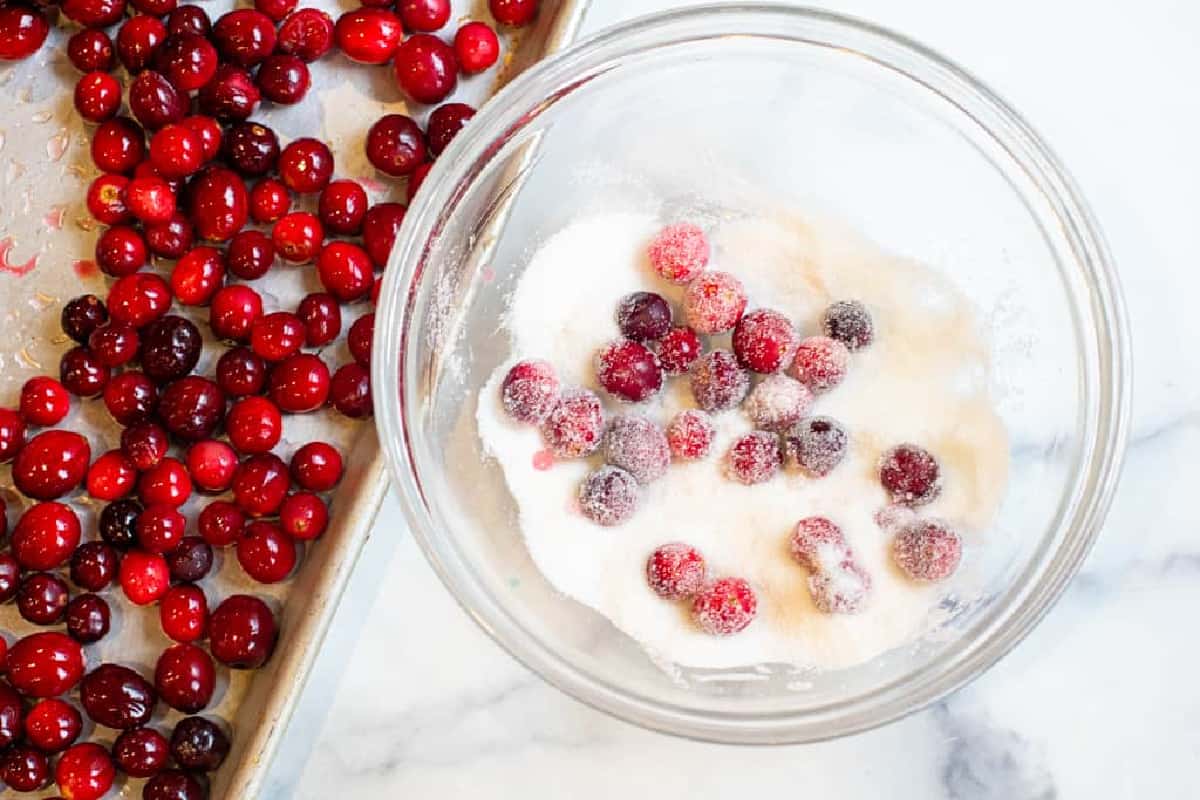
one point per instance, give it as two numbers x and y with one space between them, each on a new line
411 699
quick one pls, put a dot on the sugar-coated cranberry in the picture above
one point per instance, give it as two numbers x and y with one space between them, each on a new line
476 46
170 239
221 523
173 784
643 316
266 553
199 744
242 632
608 496
197 276
232 94
106 199
45 664
88 618
183 613
276 336
160 528
306 33
283 79
166 482
45 536
679 252
368 35
725 606
233 312
639 446
145 443
777 403
345 271
816 445
90 50
118 527
141 752
94 13
444 124
379 230
718 381
44 401
219 205
764 340
176 151
154 102
191 408
82 315
240 372
676 571
97 96
211 464
138 40
575 426
849 322
516 13
350 391
115 345
111 476
144 577
628 371
254 425
359 339
395 145
754 457
244 36
252 148
170 348
85 772
117 696
424 16
927 550
690 435
52 725
51 464
118 145
714 302
322 317
42 598
820 363
426 68
260 484
303 515
342 206
188 60
276 9
12 434
121 250
317 466
910 474
191 560
82 373
837 583
23 768
817 544
138 299
416 179
298 236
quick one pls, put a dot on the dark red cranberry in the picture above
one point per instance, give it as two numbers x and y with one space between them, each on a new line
155 101
910 474
121 250
160 528
111 476
173 784
276 336
368 35
426 68
345 271
12 434
269 200
276 9
82 315
10 578
117 696
115 345
395 145
444 124
530 391
322 318
10 715
88 618
379 228
91 50
184 676
250 255
94 13
94 565
118 145
22 768
197 276
106 199
212 463
141 752
628 371
231 94
362 332
718 382
254 425
118 521
303 515
144 577
425 16
138 40
170 348
306 165
260 484
476 46
317 466
219 205
191 560
306 33
42 598
513 12
167 482
252 149
138 299
240 372
147 170
342 206
52 725
192 407
233 312
51 464
198 744
45 664
183 612
644 316
145 443
725 606
242 632
608 496
209 132
176 151
189 19
849 322
676 571
156 8
221 523
283 79
45 536
575 425
298 236
244 36
266 553
97 96
44 401
415 180
188 61
350 391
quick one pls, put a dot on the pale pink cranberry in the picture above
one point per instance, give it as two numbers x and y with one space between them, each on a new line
678 349
714 302
690 435
575 425
820 363
530 391
679 253
927 550
719 382
843 590
725 607
764 340
849 322
608 496
639 446
816 445
628 371
818 544
894 517
676 571
754 458
910 474
777 403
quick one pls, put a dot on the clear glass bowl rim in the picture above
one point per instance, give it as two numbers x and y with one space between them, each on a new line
1108 392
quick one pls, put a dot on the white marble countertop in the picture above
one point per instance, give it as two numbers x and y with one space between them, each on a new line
1100 701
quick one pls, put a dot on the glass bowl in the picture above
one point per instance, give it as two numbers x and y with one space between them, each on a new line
700 110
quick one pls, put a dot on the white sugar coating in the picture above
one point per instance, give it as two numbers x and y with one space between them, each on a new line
911 384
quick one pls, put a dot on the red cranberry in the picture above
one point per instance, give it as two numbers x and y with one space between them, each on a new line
342 206
362 332
628 371
444 124
266 554
283 79
322 318
112 476
690 435
426 68
251 254
254 425
154 101
232 94
260 484
138 40
303 515
141 752
425 16
219 205
10 574
909 473
395 145
305 166
252 149
927 550
725 607
191 560
778 403
189 19
276 336
233 312
345 271
368 35
191 408
763 340
52 725
221 523
160 528
197 276
97 96
93 566
513 12
679 252
183 613
240 372
242 631
198 744
118 521
416 179
276 9
676 571
173 784
575 425
298 236
157 8
91 50
176 151
306 33
82 373
608 496
145 443
138 299
42 598
718 381
106 199
45 665
188 60
269 200
209 132
166 482
82 315
476 46
12 434
849 322
94 13
714 302
51 464
118 144
639 446
44 401
117 696
244 36
379 230
115 345
144 577
211 464
643 317
45 535
10 715
185 676
816 445
22 768
317 466
88 618
120 251
350 391
754 457
170 348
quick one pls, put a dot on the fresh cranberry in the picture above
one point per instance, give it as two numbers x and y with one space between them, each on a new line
254 425
106 199
927 550
82 373
118 521
183 613
608 496
138 299
211 464
45 535
167 482
185 676
170 348
424 16
416 179
45 664
362 332
643 316
82 315
628 371
763 340
909 473
322 318
221 523
575 425
676 571
305 165
51 464
198 744
690 435
816 445
141 752
219 205
754 457
718 381
283 79
97 96
778 403
849 322
250 256
42 598
276 336
476 46
244 36
173 784
188 60
197 276
242 632
298 236
306 33
350 391
144 577
379 228
252 149
191 560
44 401
233 312
88 618
160 528
266 554
639 446
170 239
112 475
426 68
93 566
157 8
176 151
725 607
240 372
342 206
303 515
145 443
189 19
191 408
22 768
395 145
115 345
260 484
12 434
117 696
317 466
208 130
679 252
120 251
118 144
513 12
232 94
155 101
138 40
94 13
91 50
714 302
10 715
276 9
368 35
269 200
52 725
444 124
345 271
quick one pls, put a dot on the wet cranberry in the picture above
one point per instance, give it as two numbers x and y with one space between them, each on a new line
276 9
221 523
82 315
170 349
317 466
141 752
416 179
303 516
97 96
189 19
211 464
198 744
269 200
45 535
88 618
12 434
283 79
395 145
185 676
444 124
426 68
118 145
252 149
51 464
628 371
306 33
725 607
754 457
94 13
927 550
170 239
219 206
121 250
254 425
91 50
188 60
242 631
192 407
176 151
173 784
265 553
114 345
424 16
144 577
322 318
379 230
276 336
250 255
244 36
718 381
160 528
676 571
260 484
117 696
111 476
145 443
350 391
849 322
157 8
240 372
608 496
82 373
130 398
22 768
208 131
368 35
42 598
298 236
44 401
513 12
183 613
10 715
575 425
191 560
93 566
197 276
139 299
637 445
154 101
910 474
166 482
362 332
232 94
10 574
690 435
816 445
342 206
118 522
476 46
233 312
45 664
345 271
643 316
305 166
138 40
52 725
